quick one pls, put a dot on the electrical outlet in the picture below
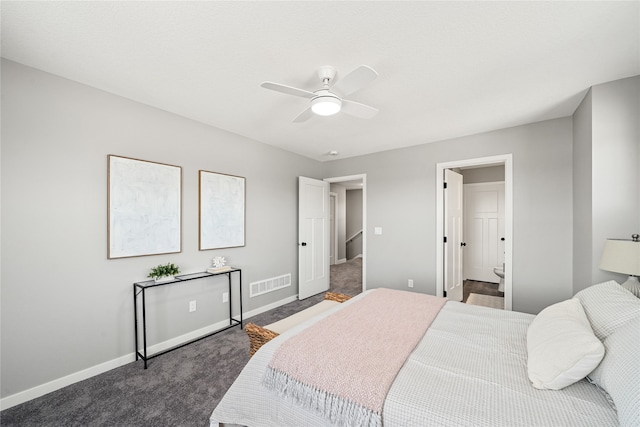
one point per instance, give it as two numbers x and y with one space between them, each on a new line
225 297
192 306
410 283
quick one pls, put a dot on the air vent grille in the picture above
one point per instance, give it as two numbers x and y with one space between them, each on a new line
269 285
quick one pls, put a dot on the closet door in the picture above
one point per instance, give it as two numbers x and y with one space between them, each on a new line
484 230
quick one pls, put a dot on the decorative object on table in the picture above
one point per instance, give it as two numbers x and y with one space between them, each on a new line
144 208
164 273
222 213
623 256
218 265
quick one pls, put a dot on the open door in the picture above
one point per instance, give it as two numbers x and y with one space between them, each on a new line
313 237
453 198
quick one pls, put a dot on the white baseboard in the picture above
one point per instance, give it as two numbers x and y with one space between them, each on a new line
41 390
268 307
57 384
341 261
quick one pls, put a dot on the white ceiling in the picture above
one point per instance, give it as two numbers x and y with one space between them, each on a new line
446 69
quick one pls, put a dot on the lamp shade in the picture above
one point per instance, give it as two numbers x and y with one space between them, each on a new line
621 256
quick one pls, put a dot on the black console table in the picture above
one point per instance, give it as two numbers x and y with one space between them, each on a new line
140 288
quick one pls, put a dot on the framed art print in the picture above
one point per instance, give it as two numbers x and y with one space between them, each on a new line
222 210
144 208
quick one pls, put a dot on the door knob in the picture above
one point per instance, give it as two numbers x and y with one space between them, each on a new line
463 244
303 244
502 238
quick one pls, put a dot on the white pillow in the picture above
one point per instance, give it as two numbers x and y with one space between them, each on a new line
561 346
619 372
608 306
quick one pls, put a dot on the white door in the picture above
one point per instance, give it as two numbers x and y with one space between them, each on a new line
313 237
483 230
453 199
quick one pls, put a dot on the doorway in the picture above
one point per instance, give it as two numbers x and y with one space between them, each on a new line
351 182
333 228
441 258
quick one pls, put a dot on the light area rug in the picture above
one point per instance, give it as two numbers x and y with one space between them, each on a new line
486 301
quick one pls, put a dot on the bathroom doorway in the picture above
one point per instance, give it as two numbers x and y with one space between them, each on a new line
503 162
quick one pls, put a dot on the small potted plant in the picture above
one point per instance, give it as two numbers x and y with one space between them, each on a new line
164 273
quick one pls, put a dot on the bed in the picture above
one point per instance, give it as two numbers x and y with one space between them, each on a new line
478 366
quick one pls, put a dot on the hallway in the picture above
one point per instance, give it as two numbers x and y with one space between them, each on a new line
346 278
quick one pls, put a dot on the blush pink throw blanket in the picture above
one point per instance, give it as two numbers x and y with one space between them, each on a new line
343 366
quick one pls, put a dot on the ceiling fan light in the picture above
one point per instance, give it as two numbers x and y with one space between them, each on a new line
325 105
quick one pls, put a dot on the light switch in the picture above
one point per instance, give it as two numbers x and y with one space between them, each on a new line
377 231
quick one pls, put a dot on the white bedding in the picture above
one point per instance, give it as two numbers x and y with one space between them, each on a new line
469 369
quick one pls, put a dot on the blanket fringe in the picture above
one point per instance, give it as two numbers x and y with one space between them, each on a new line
328 405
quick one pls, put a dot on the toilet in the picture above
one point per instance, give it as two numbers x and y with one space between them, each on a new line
500 273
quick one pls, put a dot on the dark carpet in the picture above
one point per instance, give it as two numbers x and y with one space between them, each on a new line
346 278
180 388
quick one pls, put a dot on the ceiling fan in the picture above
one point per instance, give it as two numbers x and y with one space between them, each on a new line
328 100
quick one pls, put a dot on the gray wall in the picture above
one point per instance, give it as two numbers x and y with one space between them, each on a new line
65 306
582 218
606 175
401 200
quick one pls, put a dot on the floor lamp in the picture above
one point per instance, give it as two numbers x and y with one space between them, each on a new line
623 256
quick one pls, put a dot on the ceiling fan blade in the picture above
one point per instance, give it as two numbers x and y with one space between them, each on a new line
304 116
358 110
288 90
357 79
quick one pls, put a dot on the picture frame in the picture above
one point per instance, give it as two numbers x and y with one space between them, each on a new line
144 214
221 210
